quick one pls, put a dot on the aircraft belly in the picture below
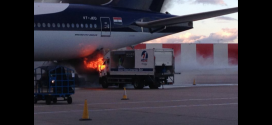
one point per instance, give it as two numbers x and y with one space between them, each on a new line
63 45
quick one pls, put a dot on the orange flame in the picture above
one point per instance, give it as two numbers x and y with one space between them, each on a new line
97 64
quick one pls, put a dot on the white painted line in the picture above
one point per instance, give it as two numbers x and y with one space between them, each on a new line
163 101
137 108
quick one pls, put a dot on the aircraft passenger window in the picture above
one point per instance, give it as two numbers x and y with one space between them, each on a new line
95 25
58 25
77 25
48 25
73 25
43 25
86 25
68 25
82 25
39 25
53 25
34 25
63 25
91 25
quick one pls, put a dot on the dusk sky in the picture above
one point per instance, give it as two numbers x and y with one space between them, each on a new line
223 29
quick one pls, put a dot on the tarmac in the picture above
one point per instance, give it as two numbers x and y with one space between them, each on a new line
178 104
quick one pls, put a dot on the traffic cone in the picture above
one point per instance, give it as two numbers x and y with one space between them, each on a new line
194 82
85 115
125 95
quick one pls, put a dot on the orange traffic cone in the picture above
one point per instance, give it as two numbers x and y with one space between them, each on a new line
125 95
85 115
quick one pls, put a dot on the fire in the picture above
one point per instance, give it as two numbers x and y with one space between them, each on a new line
96 64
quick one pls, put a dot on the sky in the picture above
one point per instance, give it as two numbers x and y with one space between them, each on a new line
222 29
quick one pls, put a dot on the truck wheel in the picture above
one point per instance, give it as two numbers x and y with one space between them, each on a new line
138 84
105 83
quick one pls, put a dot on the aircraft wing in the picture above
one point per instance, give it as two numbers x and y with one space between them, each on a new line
186 18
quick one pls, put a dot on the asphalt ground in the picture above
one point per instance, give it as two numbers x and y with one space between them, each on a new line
187 104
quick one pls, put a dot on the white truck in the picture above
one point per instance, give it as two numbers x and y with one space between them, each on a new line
139 67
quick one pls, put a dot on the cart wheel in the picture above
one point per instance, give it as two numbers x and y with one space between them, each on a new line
55 100
69 100
48 100
35 100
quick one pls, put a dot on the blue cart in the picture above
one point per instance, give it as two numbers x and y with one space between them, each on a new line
53 82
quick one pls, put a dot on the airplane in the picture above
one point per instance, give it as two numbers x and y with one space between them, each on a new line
74 30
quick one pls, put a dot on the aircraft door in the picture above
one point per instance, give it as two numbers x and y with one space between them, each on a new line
105 27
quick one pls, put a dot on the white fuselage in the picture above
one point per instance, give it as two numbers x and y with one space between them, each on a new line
70 44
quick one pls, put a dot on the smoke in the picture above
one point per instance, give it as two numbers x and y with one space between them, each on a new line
225 18
214 2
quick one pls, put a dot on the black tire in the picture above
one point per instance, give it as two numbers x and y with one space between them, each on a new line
48 100
55 100
69 100
105 83
138 84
